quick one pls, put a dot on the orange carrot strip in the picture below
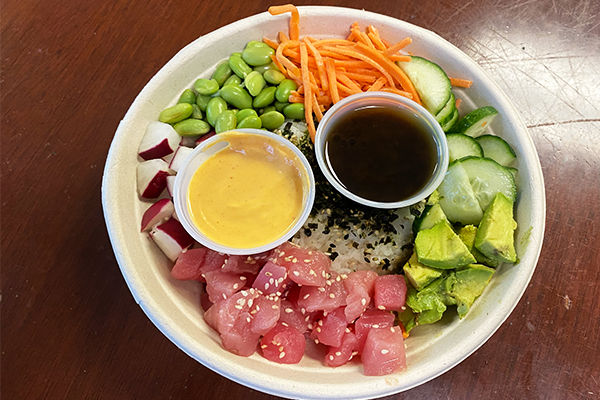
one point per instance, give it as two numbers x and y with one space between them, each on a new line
326 53
316 108
376 41
320 64
333 42
307 92
465 83
294 21
283 60
283 37
273 44
348 82
368 60
378 84
398 46
386 43
296 99
399 57
279 66
345 88
351 63
360 77
331 75
397 91
367 41
458 101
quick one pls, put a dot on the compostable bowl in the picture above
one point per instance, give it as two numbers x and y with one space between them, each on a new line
173 306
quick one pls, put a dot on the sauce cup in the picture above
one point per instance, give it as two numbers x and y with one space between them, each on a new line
399 104
211 147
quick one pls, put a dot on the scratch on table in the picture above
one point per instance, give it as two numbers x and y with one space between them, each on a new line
573 121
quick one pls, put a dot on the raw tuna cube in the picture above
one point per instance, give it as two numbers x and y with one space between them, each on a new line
326 298
222 285
283 344
240 340
205 302
305 267
245 264
390 292
212 262
292 315
338 356
265 312
371 319
360 287
188 264
271 279
383 352
331 328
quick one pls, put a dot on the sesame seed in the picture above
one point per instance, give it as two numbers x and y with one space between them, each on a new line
338 353
344 276
280 280
312 272
247 319
310 253
224 296
271 281
354 353
281 253
318 329
280 348
274 306
328 282
244 293
324 313
303 310
268 273
331 358
204 276
321 289
296 273
332 295
337 279
238 306
309 326
295 260
306 296
348 330
266 285
392 329
242 278
263 346
253 312
282 354
307 318
250 302
284 324
384 351
320 323
257 308
363 302
289 310
236 286
381 307
317 341
375 326
323 274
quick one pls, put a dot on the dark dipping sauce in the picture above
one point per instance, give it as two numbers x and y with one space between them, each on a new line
381 153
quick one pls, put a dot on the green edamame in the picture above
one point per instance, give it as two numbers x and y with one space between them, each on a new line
239 66
176 113
236 96
267 109
222 73
272 120
202 101
225 122
191 127
216 106
273 77
188 96
233 80
246 112
254 82
294 111
257 56
264 68
256 43
284 89
252 121
279 106
265 97
206 86
196 112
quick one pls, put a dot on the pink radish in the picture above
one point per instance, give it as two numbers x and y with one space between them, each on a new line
158 212
159 140
171 238
181 154
170 184
152 178
205 137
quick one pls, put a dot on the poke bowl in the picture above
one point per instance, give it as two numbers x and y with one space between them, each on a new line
174 305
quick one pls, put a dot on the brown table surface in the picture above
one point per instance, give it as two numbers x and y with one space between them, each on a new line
70 70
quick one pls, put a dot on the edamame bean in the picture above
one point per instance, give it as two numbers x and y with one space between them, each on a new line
188 96
206 86
263 68
233 80
272 120
284 89
256 43
176 113
246 112
252 121
273 77
254 82
256 56
225 122
265 97
191 127
222 73
202 101
236 96
216 106
294 111
239 66
279 106
196 112
267 109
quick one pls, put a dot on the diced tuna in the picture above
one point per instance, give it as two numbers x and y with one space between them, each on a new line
188 264
271 279
371 319
245 264
383 352
292 315
305 267
390 292
283 344
360 287
331 328
338 356
222 285
205 302
265 312
325 298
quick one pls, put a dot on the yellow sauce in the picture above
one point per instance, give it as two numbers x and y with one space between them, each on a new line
249 193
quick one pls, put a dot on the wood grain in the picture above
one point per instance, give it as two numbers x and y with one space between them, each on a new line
70 69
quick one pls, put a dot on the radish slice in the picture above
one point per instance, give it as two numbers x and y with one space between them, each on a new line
158 212
171 238
159 141
170 184
181 154
205 137
152 178
188 141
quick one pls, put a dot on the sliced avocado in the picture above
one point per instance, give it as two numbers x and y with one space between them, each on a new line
427 304
468 286
440 247
467 235
408 319
434 198
420 275
495 237
430 216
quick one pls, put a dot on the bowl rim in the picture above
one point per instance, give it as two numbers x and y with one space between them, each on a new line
112 204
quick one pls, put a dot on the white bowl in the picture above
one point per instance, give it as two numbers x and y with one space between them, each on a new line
173 306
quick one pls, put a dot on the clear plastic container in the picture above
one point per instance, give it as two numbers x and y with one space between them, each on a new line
384 99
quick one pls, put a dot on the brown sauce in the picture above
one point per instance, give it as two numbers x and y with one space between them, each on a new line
383 154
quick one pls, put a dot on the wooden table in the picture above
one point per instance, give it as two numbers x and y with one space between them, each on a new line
70 70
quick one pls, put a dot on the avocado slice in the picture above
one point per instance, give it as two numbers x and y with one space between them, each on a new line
495 237
467 235
432 214
428 304
468 285
420 275
440 247
434 198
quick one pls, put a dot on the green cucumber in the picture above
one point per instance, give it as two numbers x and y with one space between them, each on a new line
430 81
489 178
447 127
474 123
460 146
457 198
497 149
446 113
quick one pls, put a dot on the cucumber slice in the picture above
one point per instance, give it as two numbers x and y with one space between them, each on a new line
457 198
431 82
513 171
450 124
488 178
474 123
460 146
497 149
446 113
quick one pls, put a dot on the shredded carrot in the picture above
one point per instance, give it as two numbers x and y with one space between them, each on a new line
398 46
331 76
320 64
317 108
397 91
296 99
273 44
464 83
398 57
283 37
377 85
348 82
294 21
458 101
308 109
